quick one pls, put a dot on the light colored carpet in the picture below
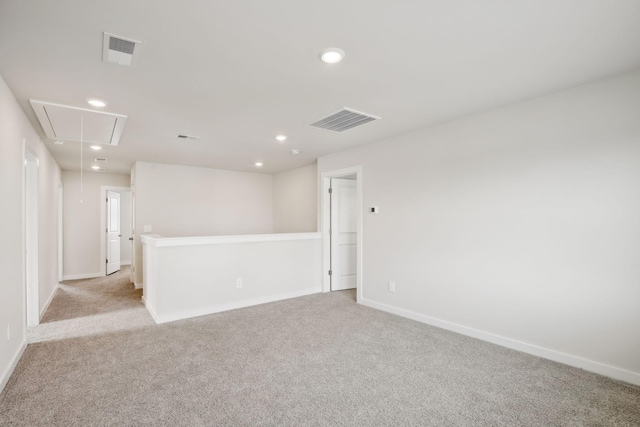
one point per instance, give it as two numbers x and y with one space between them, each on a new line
91 307
319 360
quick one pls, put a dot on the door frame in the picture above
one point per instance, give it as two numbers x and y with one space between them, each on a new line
103 224
60 232
30 236
325 222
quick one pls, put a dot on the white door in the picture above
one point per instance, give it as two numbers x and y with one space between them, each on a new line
113 232
344 234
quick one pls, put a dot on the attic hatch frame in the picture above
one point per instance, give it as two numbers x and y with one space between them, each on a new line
40 109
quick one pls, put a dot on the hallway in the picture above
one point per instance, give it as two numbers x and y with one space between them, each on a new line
92 306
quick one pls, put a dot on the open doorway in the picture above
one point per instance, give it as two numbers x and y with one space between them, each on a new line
342 229
115 229
31 237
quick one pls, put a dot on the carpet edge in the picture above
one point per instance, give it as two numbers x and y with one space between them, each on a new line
546 353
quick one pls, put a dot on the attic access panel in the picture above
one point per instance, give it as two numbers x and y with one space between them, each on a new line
63 122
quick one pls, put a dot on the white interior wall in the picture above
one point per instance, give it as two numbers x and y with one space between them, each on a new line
190 201
16 127
295 200
269 270
49 181
519 225
125 227
82 221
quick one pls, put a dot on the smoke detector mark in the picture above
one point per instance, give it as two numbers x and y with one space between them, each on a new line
120 50
344 119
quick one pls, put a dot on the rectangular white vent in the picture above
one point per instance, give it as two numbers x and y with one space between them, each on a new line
344 119
62 122
120 50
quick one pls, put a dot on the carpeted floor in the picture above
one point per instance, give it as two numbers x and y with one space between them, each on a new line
89 307
320 360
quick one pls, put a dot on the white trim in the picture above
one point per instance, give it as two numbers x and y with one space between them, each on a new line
160 241
103 224
31 241
60 232
138 286
231 305
12 366
557 356
151 311
125 262
82 276
46 304
325 209
23 241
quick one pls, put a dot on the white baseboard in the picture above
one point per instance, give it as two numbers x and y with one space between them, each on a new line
138 285
125 262
231 305
12 366
46 305
82 276
151 311
556 356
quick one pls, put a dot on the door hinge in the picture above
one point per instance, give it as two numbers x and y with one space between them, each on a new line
106 200
330 272
107 260
330 190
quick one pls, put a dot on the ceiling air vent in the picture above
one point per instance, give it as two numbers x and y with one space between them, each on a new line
344 119
120 50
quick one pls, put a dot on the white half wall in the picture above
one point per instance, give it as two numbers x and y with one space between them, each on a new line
82 232
188 277
295 200
521 223
14 130
192 201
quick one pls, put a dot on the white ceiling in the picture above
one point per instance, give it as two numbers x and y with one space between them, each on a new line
236 73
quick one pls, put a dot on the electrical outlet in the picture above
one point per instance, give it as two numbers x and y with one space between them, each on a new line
238 283
392 286
148 229
8 332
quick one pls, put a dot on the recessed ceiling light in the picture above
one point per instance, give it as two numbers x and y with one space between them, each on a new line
281 137
332 55
95 147
58 142
258 164
97 103
294 152
95 167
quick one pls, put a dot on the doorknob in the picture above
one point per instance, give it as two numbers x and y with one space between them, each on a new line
119 235
130 238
